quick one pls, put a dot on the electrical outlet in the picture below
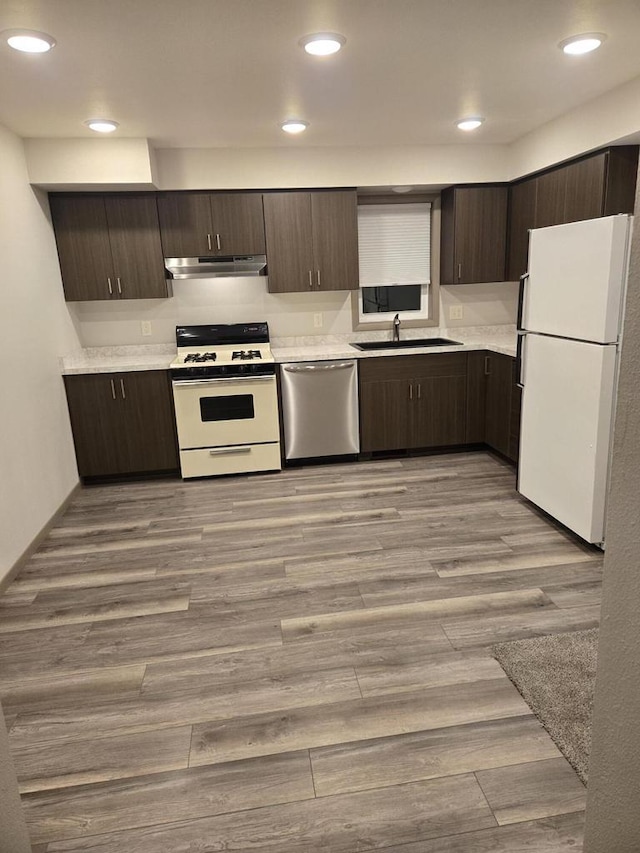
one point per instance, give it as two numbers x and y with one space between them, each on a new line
317 321
145 328
456 312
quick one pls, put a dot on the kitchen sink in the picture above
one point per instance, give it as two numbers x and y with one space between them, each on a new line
409 343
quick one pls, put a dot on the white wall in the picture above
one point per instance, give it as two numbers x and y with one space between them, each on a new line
611 118
37 461
125 164
286 167
232 300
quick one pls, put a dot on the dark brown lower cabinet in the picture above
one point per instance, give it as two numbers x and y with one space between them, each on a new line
493 413
413 401
123 423
499 380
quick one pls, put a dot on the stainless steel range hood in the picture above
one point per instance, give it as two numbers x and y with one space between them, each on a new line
215 267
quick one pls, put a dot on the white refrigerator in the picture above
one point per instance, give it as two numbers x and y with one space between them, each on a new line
569 327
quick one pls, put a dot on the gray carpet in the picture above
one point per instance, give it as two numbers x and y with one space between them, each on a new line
555 676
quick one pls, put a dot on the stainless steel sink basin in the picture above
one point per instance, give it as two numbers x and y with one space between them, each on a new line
409 343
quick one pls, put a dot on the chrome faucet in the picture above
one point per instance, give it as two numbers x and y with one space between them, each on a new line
396 328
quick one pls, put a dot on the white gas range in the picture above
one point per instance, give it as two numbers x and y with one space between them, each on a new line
226 401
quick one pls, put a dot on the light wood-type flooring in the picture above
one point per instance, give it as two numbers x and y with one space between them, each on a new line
293 662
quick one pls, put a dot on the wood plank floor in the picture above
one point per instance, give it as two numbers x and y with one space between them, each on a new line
293 662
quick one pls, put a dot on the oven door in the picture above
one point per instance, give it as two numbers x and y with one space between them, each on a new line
225 412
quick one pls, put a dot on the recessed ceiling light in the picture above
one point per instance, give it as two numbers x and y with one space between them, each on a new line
471 123
294 125
29 41
401 190
101 125
322 44
584 43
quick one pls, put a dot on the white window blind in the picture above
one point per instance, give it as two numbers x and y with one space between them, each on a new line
394 244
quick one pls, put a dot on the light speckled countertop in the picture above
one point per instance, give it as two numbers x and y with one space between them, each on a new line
501 339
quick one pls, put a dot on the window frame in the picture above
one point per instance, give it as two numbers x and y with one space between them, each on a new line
431 292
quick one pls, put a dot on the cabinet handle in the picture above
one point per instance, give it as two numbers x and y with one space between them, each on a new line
411 392
310 280
218 241
487 365
318 279
124 396
119 286
209 241
113 389
110 288
459 271
419 390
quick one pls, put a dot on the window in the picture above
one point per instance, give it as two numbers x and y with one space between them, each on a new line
394 249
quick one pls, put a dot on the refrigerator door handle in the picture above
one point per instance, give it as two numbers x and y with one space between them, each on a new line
519 366
523 279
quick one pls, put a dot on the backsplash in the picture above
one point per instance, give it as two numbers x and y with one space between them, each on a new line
232 300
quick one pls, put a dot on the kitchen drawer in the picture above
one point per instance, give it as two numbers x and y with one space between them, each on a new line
413 366
207 462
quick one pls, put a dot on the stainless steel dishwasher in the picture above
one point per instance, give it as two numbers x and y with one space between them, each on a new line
320 408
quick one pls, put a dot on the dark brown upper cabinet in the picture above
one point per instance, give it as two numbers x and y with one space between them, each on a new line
197 224
473 234
602 184
109 246
312 240
522 216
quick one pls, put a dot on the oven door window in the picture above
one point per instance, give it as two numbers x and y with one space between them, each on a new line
233 407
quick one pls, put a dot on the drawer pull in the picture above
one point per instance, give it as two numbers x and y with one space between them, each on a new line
228 451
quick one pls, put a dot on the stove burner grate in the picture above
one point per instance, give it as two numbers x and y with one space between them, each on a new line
245 355
199 357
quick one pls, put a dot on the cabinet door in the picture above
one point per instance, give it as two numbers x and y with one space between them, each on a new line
514 419
385 415
97 422
80 224
477 365
498 402
290 262
335 240
474 234
185 224
584 193
149 440
237 221
134 234
439 411
522 217
122 422
551 194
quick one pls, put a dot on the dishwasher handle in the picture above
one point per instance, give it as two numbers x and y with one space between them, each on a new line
311 368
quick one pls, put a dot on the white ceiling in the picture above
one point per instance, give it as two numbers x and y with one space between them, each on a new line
224 73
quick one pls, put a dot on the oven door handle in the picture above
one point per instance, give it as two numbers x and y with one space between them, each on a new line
192 383
309 368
